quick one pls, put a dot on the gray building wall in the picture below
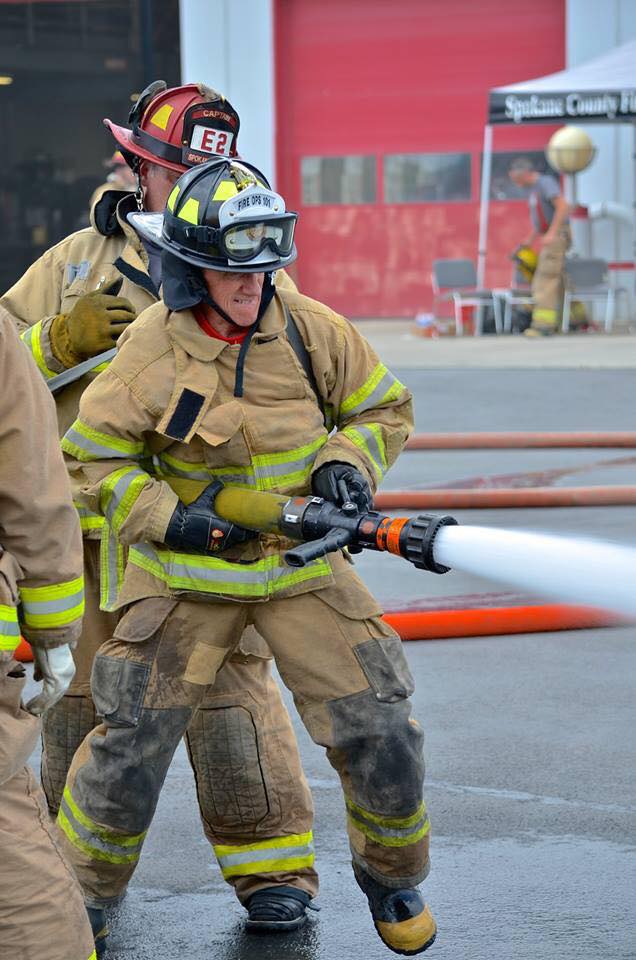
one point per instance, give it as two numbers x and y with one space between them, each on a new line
592 28
229 45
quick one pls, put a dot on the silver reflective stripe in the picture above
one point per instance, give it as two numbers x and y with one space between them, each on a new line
374 399
271 853
118 492
109 850
367 441
111 564
210 575
98 451
288 466
40 607
388 832
9 628
199 471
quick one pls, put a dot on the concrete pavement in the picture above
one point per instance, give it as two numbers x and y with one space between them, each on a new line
400 346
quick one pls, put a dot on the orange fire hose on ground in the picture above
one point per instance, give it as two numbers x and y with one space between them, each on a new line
478 621
518 440
484 498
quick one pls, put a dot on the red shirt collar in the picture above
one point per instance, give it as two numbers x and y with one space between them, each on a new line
202 319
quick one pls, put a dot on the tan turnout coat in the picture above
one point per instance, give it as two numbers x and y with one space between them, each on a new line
166 406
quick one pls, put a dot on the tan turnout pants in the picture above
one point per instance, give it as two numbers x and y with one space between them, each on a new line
42 912
548 283
351 684
240 740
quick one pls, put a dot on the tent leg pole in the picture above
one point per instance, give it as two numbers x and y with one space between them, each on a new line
633 297
486 165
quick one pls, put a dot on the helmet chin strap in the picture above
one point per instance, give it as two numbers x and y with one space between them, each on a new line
221 312
267 295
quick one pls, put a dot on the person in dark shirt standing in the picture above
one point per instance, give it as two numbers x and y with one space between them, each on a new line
551 233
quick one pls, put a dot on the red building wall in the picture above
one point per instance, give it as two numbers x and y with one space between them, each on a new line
367 77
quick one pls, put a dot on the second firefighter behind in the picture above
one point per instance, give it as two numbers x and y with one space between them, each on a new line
250 784
206 385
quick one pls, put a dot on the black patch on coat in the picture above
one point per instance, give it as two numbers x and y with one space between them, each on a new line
185 414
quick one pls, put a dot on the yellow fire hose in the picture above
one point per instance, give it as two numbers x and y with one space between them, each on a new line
249 508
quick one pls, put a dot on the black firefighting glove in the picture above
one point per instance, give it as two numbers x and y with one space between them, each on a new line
341 483
197 528
93 325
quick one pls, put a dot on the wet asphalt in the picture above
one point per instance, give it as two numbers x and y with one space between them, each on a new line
530 744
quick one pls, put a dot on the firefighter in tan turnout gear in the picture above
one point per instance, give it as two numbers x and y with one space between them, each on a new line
208 385
551 231
41 595
250 783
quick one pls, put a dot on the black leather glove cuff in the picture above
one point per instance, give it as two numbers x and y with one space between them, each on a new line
341 482
197 528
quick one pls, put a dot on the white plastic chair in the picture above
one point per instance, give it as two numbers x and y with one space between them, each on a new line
456 280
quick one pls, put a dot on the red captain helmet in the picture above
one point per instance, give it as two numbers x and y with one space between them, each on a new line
179 127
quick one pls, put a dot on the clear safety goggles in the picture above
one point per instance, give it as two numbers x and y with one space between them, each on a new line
247 239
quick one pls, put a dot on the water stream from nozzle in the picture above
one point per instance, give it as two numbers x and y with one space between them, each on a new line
578 570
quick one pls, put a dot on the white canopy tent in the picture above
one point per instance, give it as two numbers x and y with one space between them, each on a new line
602 90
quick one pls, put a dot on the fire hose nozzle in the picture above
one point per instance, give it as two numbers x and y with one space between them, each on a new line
418 540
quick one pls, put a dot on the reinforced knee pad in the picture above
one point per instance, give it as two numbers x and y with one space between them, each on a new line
64 727
231 782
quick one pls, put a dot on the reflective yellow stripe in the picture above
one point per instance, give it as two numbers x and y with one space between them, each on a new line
389 831
129 840
544 315
277 855
111 568
119 492
101 367
268 471
31 338
404 841
88 520
381 387
56 605
84 443
9 628
288 865
368 438
188 571
91 852
394 823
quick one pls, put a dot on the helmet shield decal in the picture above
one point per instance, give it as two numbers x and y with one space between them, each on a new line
209 130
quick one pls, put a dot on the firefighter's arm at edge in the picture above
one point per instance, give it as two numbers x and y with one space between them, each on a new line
41 567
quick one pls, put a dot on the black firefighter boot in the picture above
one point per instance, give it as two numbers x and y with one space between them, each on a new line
97 918
277 910
402 919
